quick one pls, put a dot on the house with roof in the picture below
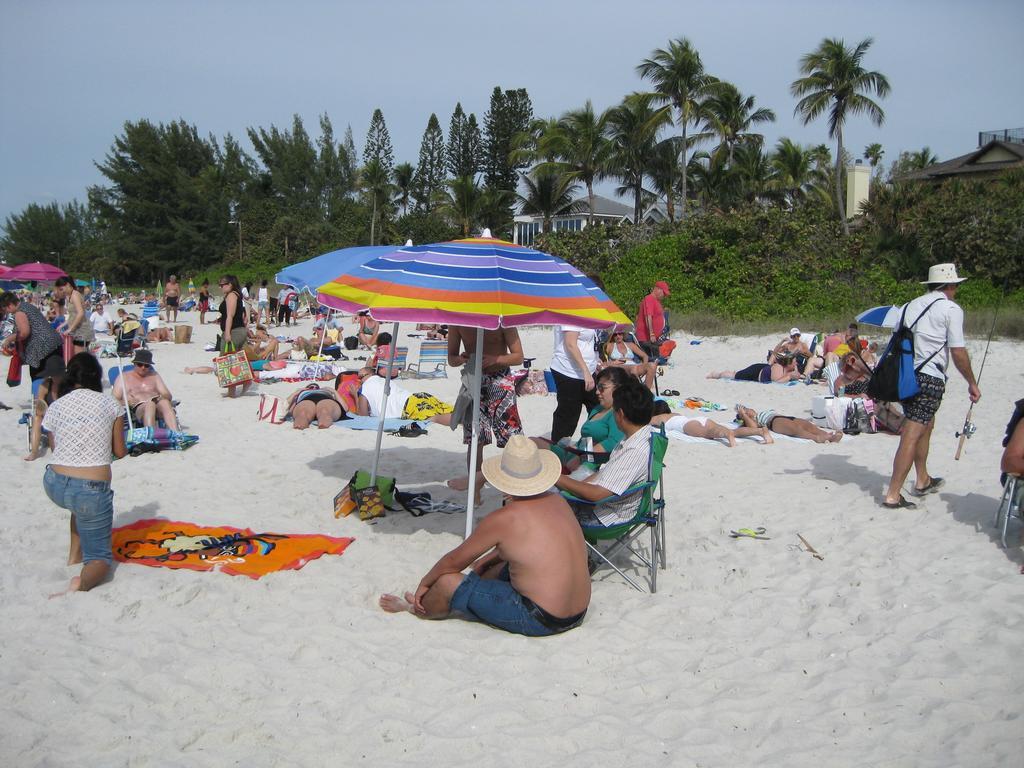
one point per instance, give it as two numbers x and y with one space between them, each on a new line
998 151
525 228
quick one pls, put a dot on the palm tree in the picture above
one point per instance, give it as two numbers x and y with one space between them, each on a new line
632 129
873 154
922 158
679 79
712 183
375 182
834 80
403 174
791 164
582 148
730 115
549 194
753 172
462 202
535 144
665 173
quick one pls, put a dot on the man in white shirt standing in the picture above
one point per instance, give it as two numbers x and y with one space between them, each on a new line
938 335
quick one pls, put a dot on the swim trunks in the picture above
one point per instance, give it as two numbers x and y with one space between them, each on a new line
172 301
499 412
421 406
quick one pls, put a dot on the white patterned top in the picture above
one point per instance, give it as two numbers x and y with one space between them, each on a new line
82 422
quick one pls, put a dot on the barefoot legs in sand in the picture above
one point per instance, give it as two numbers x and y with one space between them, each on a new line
436 601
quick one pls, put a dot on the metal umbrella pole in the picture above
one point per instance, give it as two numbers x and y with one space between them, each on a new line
478 358
384 403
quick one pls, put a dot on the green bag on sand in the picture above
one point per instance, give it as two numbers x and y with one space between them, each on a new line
386 486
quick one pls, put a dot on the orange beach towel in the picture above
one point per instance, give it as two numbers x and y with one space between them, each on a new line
234 551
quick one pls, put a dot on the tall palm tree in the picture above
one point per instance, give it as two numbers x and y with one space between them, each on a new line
549 194
679 79
922 158
461 202
710 180
665 173
403 175
375 182
632 130
873 154
792 170
535 144
730 115
581 147
835 80
753 172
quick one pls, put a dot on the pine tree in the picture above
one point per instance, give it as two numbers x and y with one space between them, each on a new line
349 156
456 131
430 170
510 113
378 144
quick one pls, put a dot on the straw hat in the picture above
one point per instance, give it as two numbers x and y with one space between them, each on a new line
942 274
522 469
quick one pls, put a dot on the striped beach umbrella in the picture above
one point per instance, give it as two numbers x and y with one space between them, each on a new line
481 283
478 282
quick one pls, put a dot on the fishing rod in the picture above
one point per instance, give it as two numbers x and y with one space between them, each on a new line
969 427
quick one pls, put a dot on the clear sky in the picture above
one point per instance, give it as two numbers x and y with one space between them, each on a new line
73 71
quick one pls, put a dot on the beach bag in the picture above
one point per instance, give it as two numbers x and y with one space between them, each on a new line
858 419
232 368
835 412
386 486
271 410
895 377
351 342
14 369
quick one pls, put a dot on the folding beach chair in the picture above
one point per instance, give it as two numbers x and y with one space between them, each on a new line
650 515
150 310
126 337
433 362
1010 503
380 360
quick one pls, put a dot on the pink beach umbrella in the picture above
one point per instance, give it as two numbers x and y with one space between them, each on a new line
39 271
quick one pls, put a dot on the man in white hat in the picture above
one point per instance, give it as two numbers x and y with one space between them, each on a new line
528 559
938 327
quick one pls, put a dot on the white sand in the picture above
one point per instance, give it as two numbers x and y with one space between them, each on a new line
900 648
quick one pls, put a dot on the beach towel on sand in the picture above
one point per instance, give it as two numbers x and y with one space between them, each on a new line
234 551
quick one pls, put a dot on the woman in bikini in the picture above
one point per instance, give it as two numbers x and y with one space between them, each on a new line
700 426
311 404
621 353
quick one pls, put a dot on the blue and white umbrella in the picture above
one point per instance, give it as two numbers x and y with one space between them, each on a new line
886 316
311 274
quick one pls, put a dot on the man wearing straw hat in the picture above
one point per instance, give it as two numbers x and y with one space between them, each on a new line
938 327
529 561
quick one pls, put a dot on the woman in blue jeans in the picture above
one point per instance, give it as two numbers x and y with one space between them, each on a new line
87 427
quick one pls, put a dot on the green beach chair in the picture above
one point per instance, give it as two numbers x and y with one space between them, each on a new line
649 516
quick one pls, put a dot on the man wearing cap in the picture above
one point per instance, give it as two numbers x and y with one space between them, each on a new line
147 395
650 320
528 559
795 347
938 327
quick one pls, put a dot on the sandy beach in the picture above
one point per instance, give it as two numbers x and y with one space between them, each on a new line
899 648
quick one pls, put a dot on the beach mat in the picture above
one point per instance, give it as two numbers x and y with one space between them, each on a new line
234 551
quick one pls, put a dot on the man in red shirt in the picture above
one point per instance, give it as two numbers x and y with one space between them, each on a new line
650 320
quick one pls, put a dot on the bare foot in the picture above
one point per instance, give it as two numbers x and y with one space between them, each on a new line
31 457
73 586
458 483
395 604
835 437
731 438
190 371
767 436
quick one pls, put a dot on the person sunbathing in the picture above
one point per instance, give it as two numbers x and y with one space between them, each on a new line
779 368
368 393
700 426
311 404
853 377
786 425
527 559
625 354
367 330
147 395
795 347
262 346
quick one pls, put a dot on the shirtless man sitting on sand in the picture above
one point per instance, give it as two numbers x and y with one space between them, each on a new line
148 396
528 559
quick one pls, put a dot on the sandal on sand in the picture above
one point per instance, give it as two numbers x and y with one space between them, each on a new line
933 485
901 504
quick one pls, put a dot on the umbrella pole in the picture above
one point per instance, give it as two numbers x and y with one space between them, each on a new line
384 403
475 441
124 391
323 332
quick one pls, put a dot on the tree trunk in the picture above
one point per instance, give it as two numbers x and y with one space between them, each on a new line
590 202
839 179
637 195
373 221
682 203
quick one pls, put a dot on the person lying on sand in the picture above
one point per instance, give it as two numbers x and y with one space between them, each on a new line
786 425
700 426
528 559
780 368
310 403
402 404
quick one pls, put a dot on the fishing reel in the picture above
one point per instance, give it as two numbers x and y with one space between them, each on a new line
968 430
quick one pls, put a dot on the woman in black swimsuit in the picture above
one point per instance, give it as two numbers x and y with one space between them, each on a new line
311 404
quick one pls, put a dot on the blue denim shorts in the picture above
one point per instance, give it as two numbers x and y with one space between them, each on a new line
91 502
496 602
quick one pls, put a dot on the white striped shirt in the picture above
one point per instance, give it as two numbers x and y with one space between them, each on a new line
626 467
